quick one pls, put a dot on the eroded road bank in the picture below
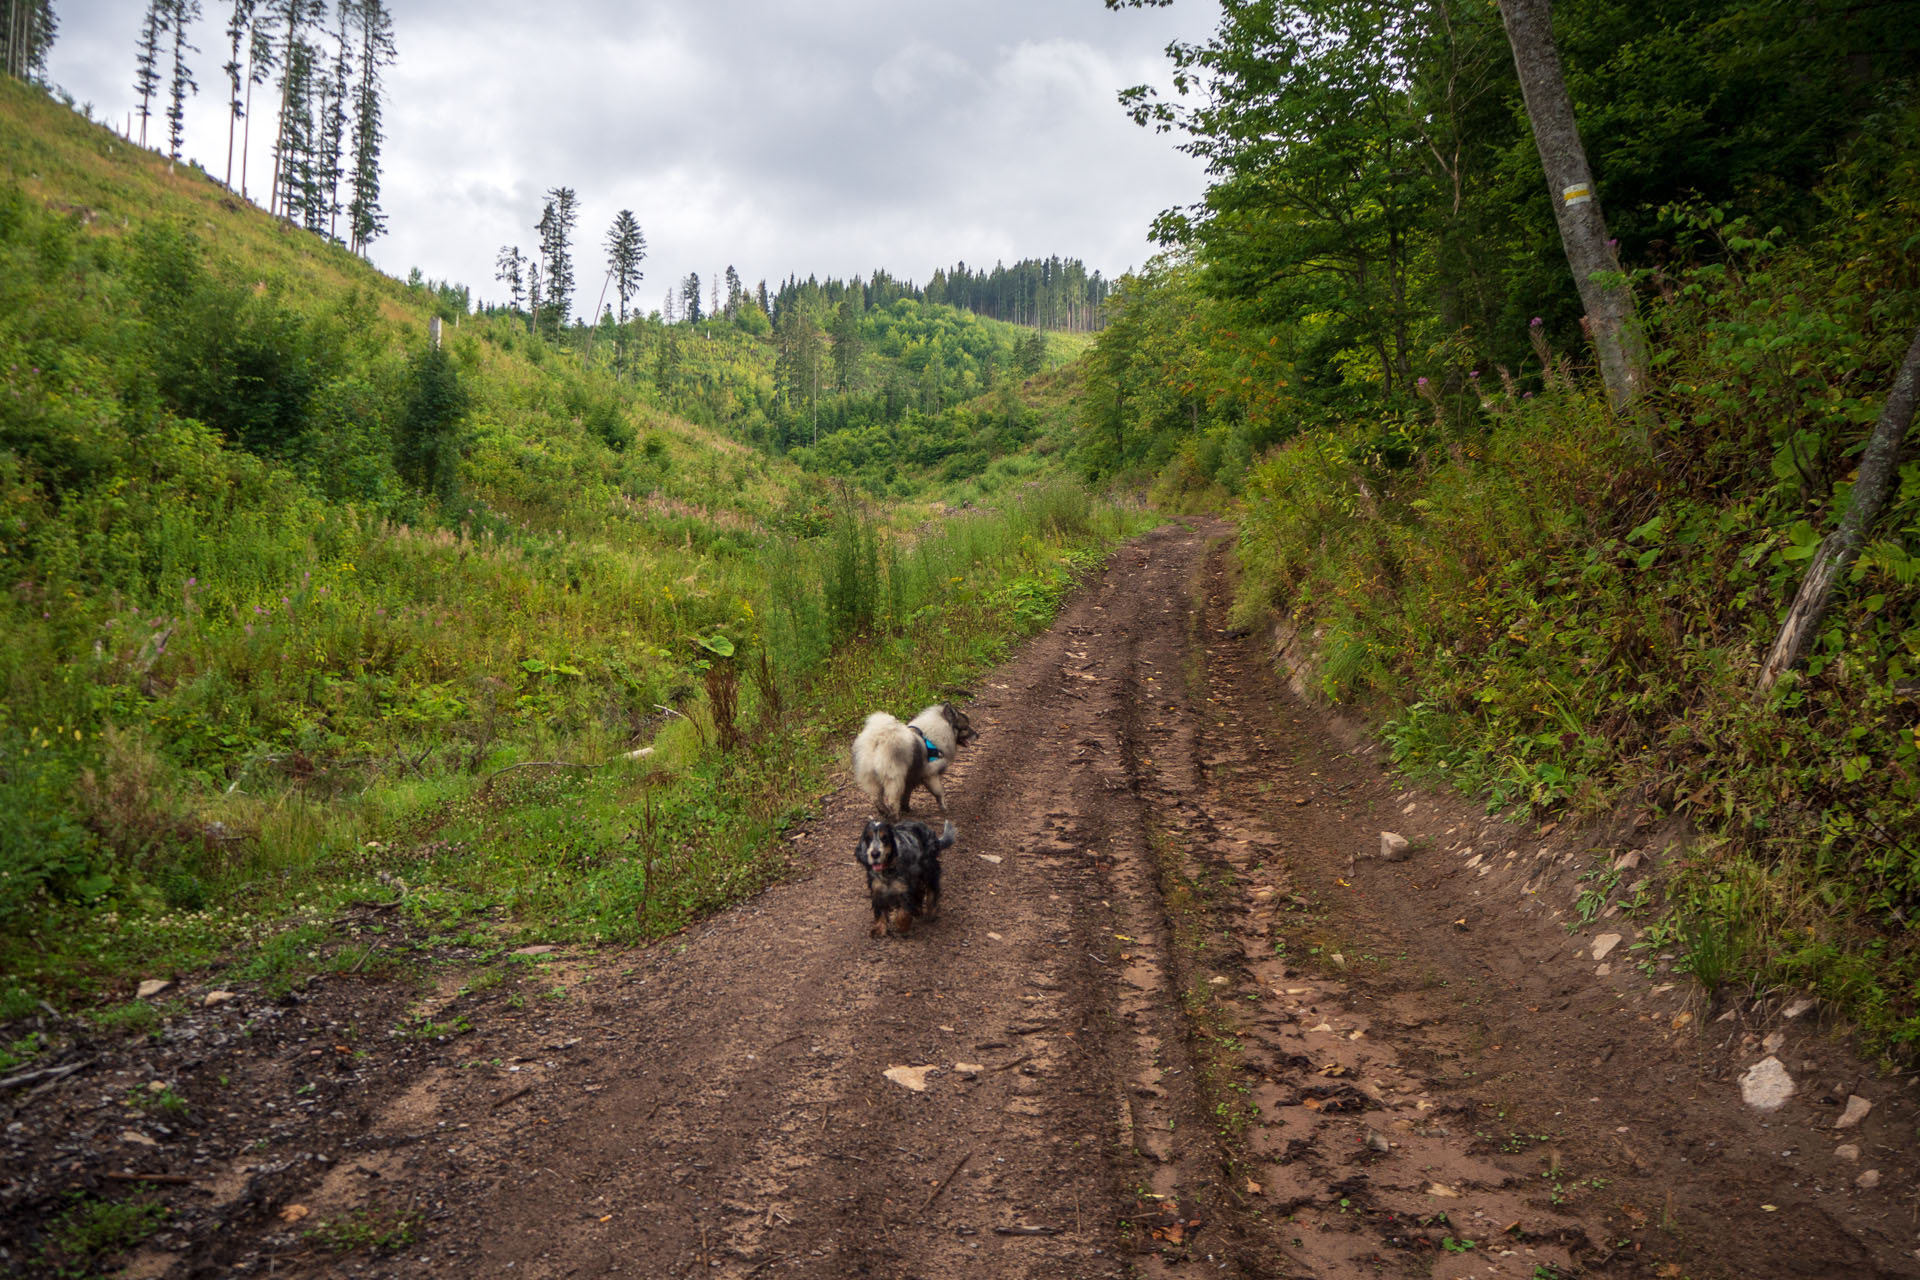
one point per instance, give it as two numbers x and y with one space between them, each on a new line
1165 1025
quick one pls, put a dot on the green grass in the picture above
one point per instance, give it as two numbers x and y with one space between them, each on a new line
91 1233
379 1229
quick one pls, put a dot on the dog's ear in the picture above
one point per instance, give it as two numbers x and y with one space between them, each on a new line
867 850
957 720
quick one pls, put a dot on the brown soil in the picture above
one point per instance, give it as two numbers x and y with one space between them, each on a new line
1171 1026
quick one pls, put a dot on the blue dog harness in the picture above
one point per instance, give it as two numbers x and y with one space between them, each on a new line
933 752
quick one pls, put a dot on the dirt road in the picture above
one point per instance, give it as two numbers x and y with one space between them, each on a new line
1164 1026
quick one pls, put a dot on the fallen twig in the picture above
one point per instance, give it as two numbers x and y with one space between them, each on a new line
951 1174
27 1077
1026 1231
521 1092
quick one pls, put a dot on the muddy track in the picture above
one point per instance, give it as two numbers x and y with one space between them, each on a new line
1169 1027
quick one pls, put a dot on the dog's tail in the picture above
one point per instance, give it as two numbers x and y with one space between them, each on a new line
948 835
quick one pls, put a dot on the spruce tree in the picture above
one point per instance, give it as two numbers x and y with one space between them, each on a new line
180 13
374 24
510 269
293 148
26 37
331 163
690 297
735 292
626 249
239 25
146 59
556 252
293 140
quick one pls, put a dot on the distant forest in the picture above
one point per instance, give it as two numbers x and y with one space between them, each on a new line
1041 293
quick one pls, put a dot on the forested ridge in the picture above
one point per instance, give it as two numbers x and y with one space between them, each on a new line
1557 593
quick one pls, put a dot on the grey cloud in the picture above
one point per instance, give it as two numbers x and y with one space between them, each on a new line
822 138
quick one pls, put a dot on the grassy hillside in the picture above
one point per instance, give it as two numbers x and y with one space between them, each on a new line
300 609
905 400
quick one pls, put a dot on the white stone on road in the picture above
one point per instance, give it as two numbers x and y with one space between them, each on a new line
1766 1086
1857 1108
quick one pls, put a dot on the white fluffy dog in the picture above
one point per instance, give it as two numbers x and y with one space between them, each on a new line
890 759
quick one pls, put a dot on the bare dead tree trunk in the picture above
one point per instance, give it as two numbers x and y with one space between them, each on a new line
1839 548
1583 229
246 130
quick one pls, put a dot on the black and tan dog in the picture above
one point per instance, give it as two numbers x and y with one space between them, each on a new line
903 872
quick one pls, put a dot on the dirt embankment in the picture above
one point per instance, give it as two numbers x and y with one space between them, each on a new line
1164 1025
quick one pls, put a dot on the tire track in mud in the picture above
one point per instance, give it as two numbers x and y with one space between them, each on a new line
1337 1161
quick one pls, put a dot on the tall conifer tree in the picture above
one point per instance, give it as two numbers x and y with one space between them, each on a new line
735 293
626 250
146 59
26 36
293 140
373 22
690 297
181 85
332 130
239 27
293 149
556 252
510 269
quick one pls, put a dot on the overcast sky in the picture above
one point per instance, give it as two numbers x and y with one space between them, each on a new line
825 137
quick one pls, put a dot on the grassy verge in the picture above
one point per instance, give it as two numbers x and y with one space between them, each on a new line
583 842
